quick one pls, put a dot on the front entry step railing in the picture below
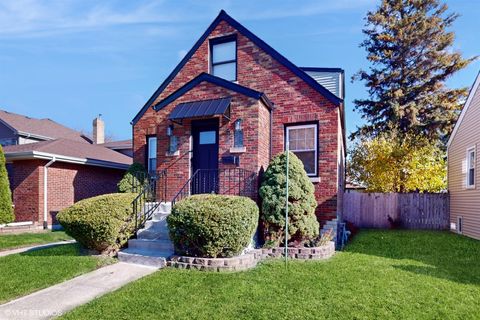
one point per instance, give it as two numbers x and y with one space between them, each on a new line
229 181
152 245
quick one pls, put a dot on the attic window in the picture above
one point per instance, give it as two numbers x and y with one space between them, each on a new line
223 57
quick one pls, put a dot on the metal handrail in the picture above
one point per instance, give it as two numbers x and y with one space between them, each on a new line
230 181
149 199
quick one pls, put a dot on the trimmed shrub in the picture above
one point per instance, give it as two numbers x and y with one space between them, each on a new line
212 226
103 223
6 209
303 225
133 179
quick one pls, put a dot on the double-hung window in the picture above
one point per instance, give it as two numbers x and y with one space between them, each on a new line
152 155
223 56
471 157
302 141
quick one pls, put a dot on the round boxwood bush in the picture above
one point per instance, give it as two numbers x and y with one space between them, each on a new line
134 179
103 223
303 225
212 226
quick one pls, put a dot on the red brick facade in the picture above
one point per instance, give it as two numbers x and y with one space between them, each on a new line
67 184
294 101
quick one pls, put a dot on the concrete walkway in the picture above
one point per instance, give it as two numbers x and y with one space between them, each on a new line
57 300
34 247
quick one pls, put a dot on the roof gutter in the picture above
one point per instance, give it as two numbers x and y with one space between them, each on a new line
25 155
45 192
33 135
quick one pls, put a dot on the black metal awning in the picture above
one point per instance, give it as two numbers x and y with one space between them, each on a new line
204 108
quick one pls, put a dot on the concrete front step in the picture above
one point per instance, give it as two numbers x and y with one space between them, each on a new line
156 224
160 208
153 234
152 246
160 216
147 244
144 257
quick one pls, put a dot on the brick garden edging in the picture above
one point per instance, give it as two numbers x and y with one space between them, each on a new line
251 258
314 253
238 263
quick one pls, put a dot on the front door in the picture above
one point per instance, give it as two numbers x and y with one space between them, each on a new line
205 156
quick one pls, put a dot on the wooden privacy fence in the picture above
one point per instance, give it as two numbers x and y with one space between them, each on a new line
412 210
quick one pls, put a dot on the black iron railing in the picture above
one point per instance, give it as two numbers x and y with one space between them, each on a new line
138 181
152 190
231 181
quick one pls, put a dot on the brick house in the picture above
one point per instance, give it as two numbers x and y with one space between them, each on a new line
231 104
50 166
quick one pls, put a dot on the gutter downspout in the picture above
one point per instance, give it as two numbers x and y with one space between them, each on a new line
271 133
45 192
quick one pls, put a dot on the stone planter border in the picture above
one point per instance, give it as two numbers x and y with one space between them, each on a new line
251 258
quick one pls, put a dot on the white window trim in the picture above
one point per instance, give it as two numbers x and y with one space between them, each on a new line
467 182
304 126
148 152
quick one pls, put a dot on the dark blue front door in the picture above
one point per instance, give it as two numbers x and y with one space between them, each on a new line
205 156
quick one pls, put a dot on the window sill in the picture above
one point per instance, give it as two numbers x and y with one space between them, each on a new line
470 187
238 150
314 179
172 154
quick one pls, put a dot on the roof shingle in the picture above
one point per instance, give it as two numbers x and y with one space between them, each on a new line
69 148
41 127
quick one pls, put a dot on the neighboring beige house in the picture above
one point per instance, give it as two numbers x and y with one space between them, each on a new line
463 167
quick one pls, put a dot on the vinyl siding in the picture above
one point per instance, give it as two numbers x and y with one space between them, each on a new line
465 202
332 81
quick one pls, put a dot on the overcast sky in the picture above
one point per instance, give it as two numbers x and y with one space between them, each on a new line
71 60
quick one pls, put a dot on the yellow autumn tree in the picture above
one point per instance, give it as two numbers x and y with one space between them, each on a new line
389 164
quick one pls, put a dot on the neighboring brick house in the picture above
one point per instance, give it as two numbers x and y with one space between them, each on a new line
232 102
59 167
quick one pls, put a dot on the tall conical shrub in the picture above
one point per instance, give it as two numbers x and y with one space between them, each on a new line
6 209
303 224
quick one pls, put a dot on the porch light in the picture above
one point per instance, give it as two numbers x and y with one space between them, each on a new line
170 130
238 125
238 134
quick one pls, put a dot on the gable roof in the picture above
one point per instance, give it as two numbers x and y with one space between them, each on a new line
118 145
65 150
223 16
44 129
216 81
471 94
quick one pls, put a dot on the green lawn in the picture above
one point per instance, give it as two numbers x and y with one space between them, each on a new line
10 241
26 272
381 275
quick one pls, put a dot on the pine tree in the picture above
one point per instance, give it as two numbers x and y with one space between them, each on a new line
6 209
303 224
410 50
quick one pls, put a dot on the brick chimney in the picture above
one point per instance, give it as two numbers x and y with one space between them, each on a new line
98 130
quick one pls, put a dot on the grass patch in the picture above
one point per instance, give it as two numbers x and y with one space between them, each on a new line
12 241
381 275
23 273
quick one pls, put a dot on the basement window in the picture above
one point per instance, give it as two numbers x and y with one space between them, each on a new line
223 57
302 141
